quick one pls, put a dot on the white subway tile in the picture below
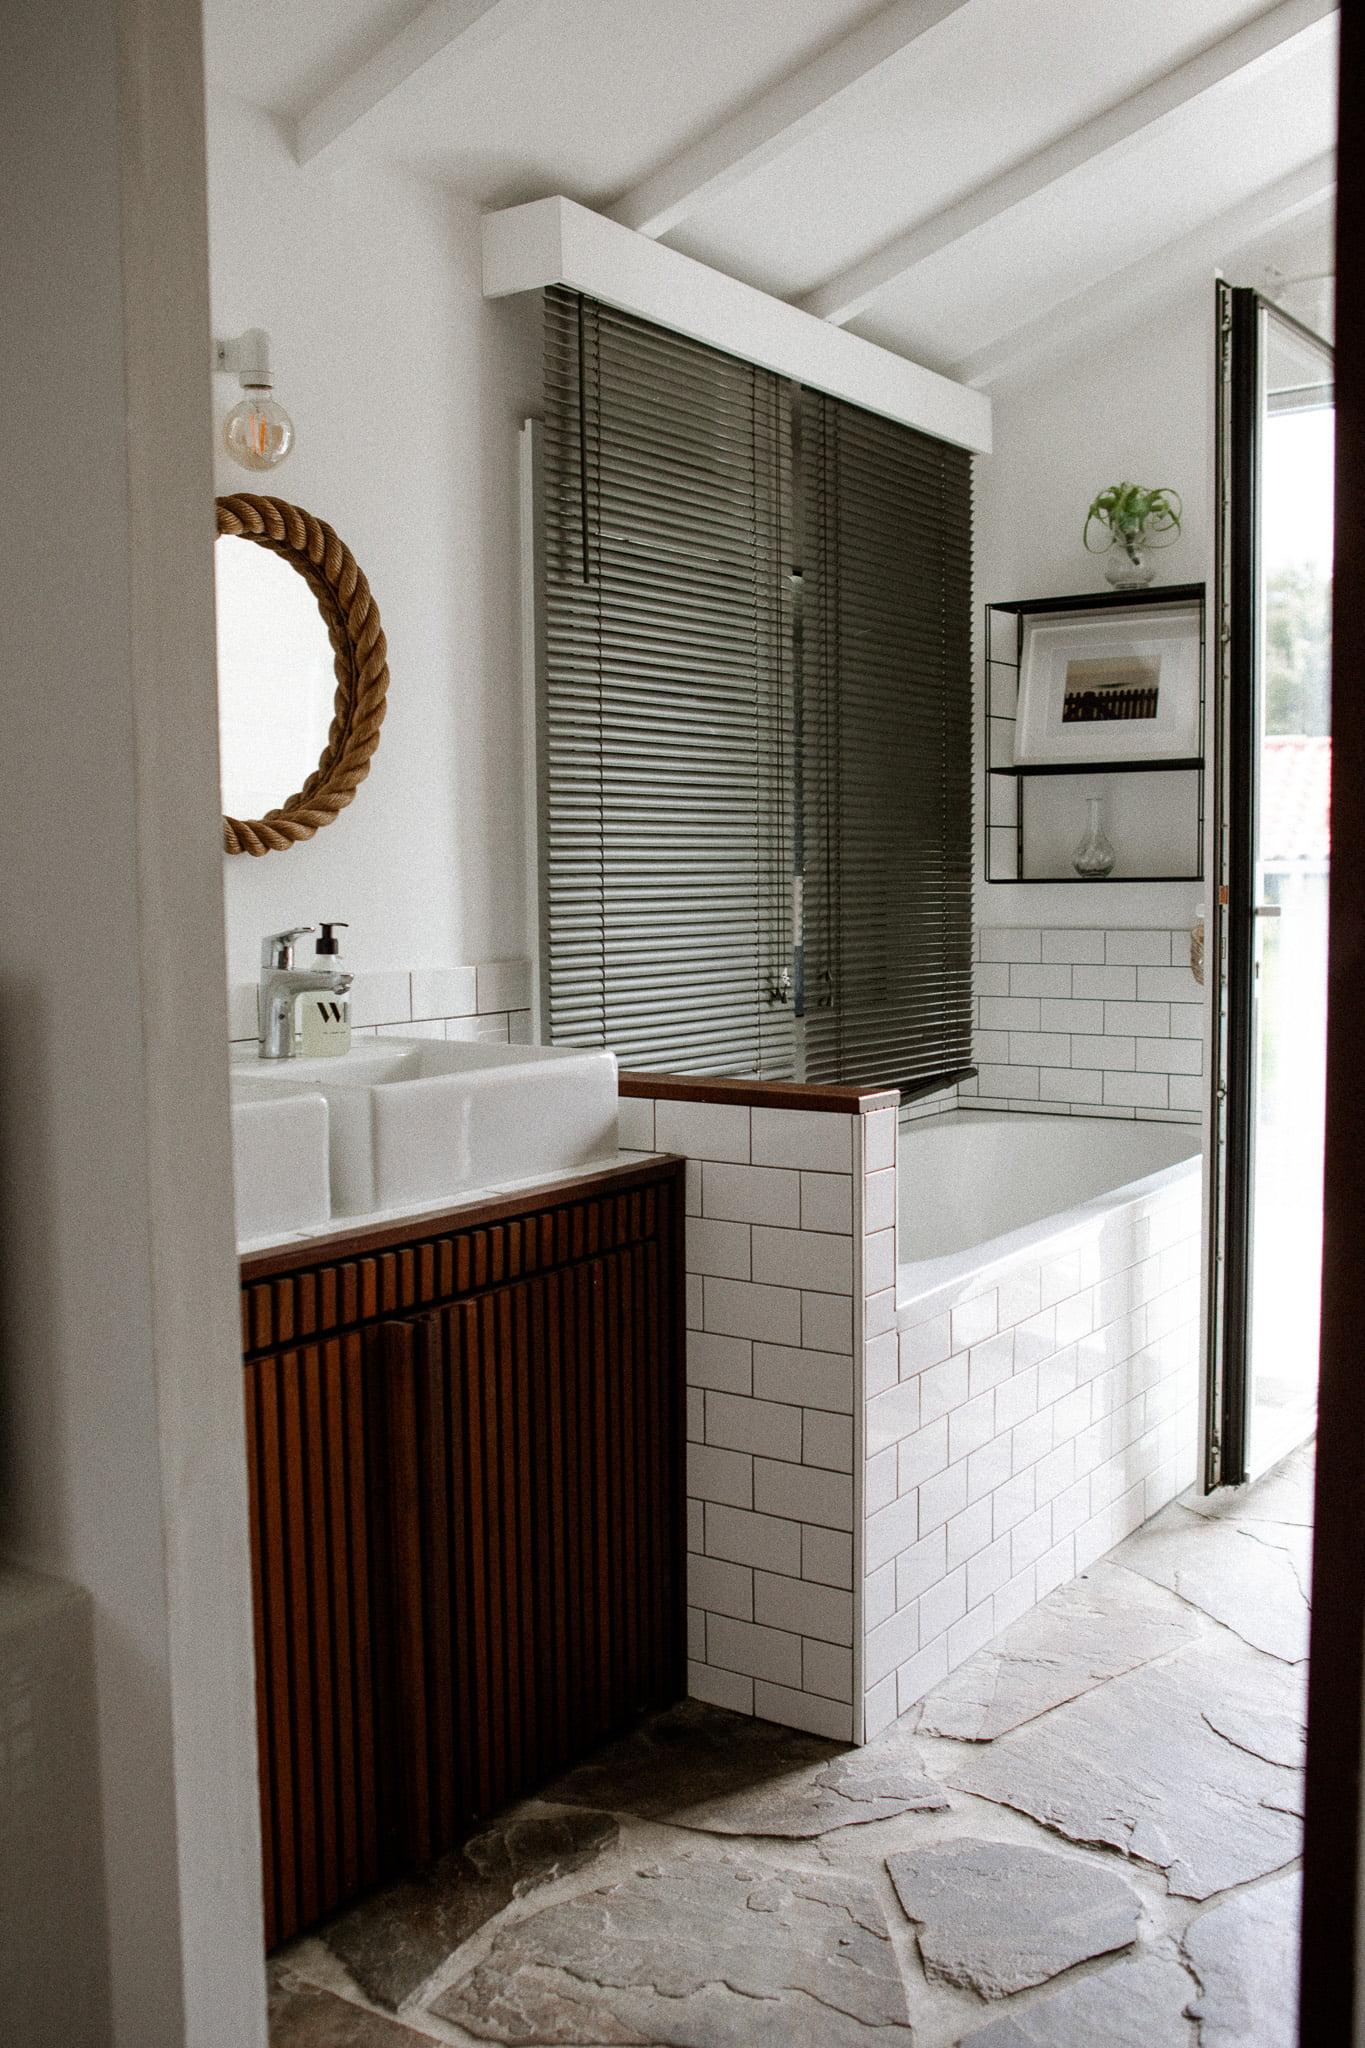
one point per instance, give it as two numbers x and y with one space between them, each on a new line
1075 1317
969 1532
925 1344
1008 1013
737 1424
879 1203
879 1140
764 1541
1070 1508
696 1525
827 1556
820 1141
891 1530
1139 1090
827 1440
813 1259
815 1379
1012 1502
696 1415
943 1604
1151 1020
718 1248
722 1362
637 1123
430 1027
922 1454
1116 1052
825 1201
1187 1021
1169 1055
826 1322
990 1362
1104 984
1138 949
1007 1084
445 992
1069 1084
695 1300
740 1308
381 996
1054 1473
1056 1567
1030 1440
691 1187
1060 1276
1004 942
702 1130
826 1670
791 1709
1168 985
750 1194
1030 1538
921 1673
722 1476
803 1493
1185 1093
975 1320
1019 1295
879 1481
769 1653
520 1030
890 1643
1016 1400
969 1427
942 1497
720 1688
808 1610
893 1415
879 1595
1040 1048
967 1636
921 1566
991 978
1015 1598
720 1587
1028 980
988 1569
503 984
942 1387
1078 946
881 1364
493 1030
879 1261
988 1468
1072 1016
1057 1381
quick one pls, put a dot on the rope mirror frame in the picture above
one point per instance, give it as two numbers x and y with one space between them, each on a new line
361 660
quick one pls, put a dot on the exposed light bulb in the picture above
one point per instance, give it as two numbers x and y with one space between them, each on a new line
258 432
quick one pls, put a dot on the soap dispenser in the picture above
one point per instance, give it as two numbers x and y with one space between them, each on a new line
324 1018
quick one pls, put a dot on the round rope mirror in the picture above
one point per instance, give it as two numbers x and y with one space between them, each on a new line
360 652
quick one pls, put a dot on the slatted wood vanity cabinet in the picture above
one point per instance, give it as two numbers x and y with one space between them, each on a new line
465 1441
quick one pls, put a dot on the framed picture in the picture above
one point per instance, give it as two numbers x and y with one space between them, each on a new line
1110 686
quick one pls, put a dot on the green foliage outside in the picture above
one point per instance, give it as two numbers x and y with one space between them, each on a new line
1298 650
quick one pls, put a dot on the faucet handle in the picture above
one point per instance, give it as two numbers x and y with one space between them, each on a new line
278 949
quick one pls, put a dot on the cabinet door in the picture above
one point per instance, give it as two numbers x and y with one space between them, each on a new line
534 1443
316 1670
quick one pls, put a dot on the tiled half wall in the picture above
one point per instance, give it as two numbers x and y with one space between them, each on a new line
875 1490
490 1001
1087 1023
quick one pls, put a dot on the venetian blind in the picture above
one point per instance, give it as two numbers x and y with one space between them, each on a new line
885 749
666 692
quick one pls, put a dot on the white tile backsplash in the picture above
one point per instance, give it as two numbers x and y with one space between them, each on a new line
420 1002
1059 1021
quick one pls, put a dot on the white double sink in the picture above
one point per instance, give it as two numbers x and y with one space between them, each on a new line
404 1124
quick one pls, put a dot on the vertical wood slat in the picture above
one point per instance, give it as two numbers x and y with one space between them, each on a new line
459 1534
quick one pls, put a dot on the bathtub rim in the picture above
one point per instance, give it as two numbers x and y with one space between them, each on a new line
925 1286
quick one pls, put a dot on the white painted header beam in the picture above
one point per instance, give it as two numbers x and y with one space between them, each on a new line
555 241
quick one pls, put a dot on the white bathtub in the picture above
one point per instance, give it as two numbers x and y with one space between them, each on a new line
978 1187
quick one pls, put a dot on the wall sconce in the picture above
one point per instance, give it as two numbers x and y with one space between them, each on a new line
258 432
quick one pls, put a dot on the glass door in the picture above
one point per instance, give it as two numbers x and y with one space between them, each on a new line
1273 759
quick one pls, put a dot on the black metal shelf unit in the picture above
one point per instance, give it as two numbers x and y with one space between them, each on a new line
1006 855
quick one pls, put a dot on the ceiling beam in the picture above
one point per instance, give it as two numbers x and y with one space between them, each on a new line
443 39
796 108
1110 300
1216 70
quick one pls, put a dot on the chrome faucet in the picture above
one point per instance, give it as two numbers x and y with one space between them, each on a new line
280 986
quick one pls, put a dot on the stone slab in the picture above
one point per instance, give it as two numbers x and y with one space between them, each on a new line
1284 1495
302 2016
1137 2004
701 1767
1135 1764
1108 1622
392 1941
695 1952
1247 1584
998 1917
1245 1953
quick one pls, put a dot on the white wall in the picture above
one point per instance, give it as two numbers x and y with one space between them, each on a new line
122 1467
407 392
1139 407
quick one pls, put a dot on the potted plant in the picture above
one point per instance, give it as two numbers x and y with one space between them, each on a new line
1132 521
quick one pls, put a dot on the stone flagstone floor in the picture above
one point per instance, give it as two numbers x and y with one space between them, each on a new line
1088 1834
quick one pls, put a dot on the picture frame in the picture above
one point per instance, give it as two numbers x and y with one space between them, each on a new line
1119 685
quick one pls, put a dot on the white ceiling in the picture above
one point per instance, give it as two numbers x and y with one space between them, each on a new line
792 142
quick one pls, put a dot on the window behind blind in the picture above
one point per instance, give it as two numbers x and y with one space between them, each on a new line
754 675
665 698
886 750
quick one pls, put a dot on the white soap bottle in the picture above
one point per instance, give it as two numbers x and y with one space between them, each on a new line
324 1029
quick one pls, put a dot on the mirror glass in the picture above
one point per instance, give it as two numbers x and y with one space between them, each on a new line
276 677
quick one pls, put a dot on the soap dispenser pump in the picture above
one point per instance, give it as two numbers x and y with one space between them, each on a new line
324 1018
